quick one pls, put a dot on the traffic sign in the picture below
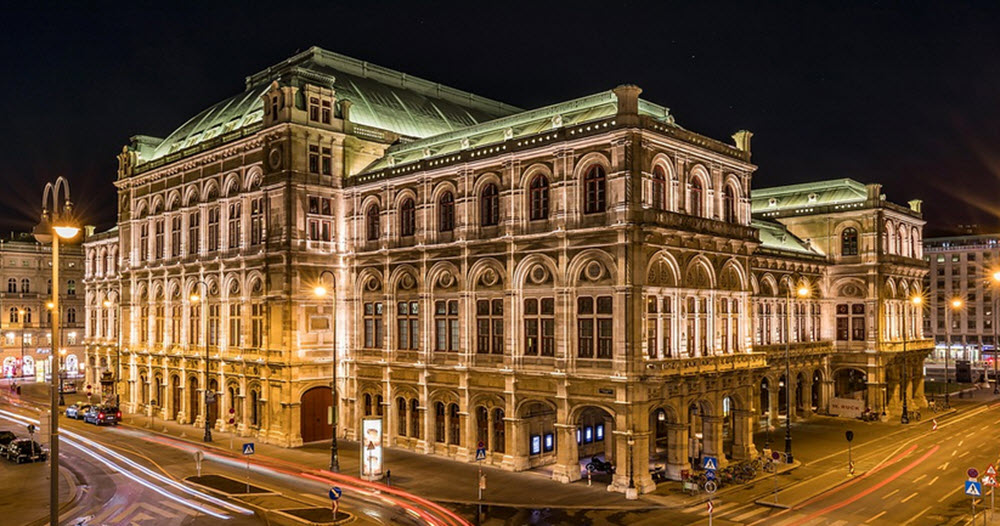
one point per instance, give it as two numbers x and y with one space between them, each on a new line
335 493
989 480
480 453
973 488
850 435
710 463
232 421
31 428
776 457
248 448
711 486
199 456
232 411
991 471
710 506
972 473
710 474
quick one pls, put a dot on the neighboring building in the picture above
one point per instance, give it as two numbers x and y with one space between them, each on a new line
101 280
25 319
962 268
584 278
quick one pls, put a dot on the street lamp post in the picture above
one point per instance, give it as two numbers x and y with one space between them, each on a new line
996 333
321 291
905 418
20 313
56 223
195 299
801 292
954 305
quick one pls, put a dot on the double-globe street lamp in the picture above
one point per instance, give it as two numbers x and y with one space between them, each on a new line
56 223
802 292
321 291
195 298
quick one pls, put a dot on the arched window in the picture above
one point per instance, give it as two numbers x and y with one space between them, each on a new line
728 204
439 422
254 408
407 218
499 442
454 425
658 191
27 315
489 206
25 285
401 416
696 200
371 223
368 404
887 242
539 190
849 242
414 418
13 315
446 212
71 287
12 285
594 191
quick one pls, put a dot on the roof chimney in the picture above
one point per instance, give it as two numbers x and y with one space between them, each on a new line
742 140
628 103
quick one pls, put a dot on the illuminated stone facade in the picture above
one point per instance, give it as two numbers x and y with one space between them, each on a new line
579 279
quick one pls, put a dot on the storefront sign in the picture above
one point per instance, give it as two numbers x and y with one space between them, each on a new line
371 448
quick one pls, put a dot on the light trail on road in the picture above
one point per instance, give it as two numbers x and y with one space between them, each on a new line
74 440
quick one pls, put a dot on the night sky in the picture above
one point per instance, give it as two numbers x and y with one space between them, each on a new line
905 95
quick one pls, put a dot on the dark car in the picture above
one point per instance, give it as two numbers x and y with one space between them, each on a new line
77 411
102 414
26 450
6 437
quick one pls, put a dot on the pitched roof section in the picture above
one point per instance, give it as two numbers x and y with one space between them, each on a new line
513 127
774 236
805 195
381 97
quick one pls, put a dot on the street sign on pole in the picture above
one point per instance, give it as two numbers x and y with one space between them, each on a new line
973 473
991 471
198 457
335 494
709 463
710 507
248 448
973 488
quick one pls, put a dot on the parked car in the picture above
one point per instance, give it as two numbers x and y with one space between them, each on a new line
6 437
77 411
26 450
68 387
102 414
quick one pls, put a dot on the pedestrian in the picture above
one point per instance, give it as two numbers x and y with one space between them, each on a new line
388 473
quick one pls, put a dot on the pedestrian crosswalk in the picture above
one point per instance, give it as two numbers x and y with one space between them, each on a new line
138 513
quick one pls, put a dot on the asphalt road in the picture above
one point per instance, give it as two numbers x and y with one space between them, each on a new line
141 483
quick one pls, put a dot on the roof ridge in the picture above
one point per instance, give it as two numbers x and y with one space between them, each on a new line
794 187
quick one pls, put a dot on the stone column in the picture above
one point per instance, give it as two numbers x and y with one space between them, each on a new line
677 450
712 438
773 393
806 398
743 445
517 446
567 466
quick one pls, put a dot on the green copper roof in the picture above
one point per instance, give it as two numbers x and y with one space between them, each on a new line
382 98
805 195
775 236
514 127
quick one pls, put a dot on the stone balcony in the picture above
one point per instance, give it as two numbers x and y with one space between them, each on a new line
923 344
706 364
795 349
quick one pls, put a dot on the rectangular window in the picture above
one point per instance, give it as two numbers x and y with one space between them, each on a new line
144 325
489 326
408 325
314 159
235 211
160 239
175 236
159 330
235 324
257 325
595 327
446 325
175 324
213 229
143 241
194 224
314 108
539 327
652 332
373 325
214 312
858 322
325 112
256 221
194 329
326 163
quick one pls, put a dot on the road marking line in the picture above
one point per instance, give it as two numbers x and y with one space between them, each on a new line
891 493
970 434
963 454
881 513
949 494
933 480
913 518
914 494
984 428
918 479
945 465
744 517
960 443
953 453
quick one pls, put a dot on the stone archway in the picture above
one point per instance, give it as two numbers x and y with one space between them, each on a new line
765 403
194 402
175 398
816 394
800 400
850 383
313 420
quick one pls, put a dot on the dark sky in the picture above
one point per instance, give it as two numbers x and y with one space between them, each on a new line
903 94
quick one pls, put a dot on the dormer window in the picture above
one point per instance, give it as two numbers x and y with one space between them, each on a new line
314 109
772 202
813 197
325 112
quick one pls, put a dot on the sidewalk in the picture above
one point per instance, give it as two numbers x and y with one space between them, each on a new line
435 478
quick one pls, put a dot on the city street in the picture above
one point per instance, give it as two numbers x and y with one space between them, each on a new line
127 475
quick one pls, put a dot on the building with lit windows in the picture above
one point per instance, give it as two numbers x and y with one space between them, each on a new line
962 267
579 279
26 320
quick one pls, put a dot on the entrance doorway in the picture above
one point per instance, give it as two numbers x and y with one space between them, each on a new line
314 423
